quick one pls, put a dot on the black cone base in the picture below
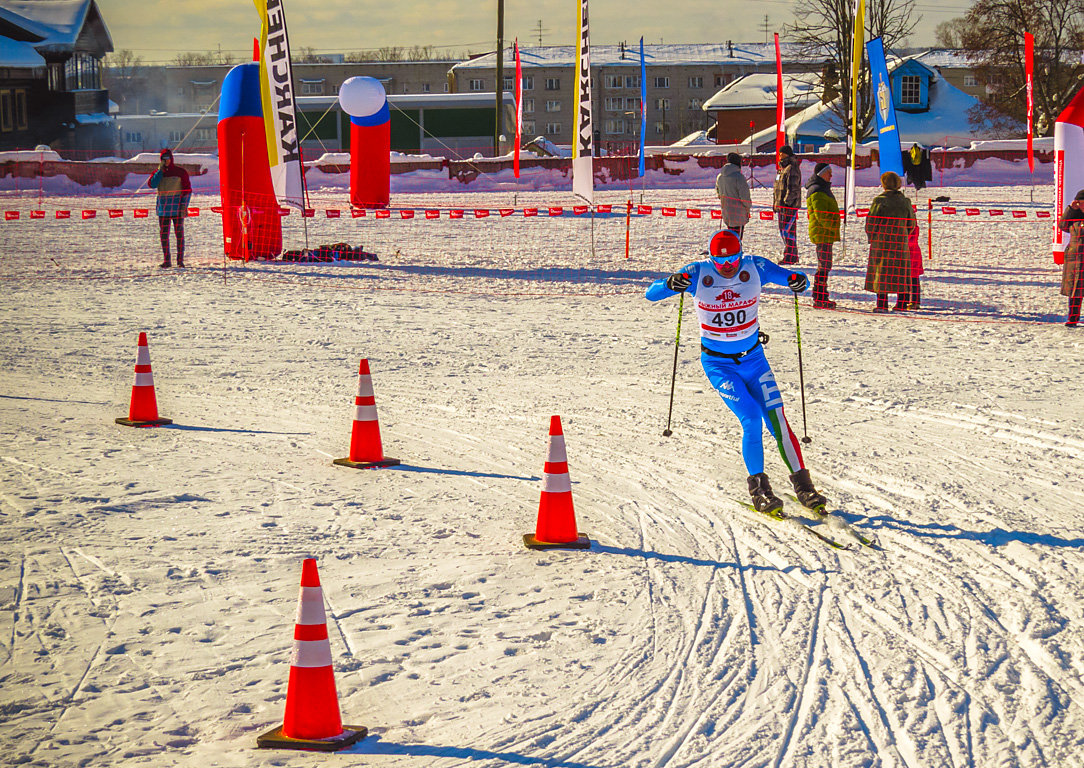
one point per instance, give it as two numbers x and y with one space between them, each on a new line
276 739
151 423
581 542
384 462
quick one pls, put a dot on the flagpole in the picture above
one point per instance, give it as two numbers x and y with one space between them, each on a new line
498 123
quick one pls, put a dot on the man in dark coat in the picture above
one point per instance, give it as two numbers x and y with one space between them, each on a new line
174 191
786 199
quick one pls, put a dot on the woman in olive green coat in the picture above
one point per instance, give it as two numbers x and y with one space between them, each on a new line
888 227
823 212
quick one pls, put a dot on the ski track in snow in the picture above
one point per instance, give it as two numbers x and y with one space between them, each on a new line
148 578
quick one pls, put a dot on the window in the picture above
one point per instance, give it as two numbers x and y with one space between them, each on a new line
634 127
528 105
632 81
553 105
553 129
633 105
56 77
615 126
971 80
910 89
615 103
175 137
205 137
510 83
662 82
445 87
21 122
7 111
696 82
133 137
553 83
425 87
613 81
312 87
82 72
477 85
528 127
696 103
662 129
662 103
528 82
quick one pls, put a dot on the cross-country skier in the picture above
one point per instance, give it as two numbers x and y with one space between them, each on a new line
726 288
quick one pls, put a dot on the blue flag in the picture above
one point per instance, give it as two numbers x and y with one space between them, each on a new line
888 134
643 104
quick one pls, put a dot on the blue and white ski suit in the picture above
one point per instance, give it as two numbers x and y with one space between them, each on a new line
727 309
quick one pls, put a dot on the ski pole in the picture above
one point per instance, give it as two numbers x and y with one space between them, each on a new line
673 378
801 375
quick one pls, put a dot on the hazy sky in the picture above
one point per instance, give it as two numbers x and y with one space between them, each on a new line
157 30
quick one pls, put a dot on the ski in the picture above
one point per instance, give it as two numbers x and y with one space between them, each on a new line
800 524
837 523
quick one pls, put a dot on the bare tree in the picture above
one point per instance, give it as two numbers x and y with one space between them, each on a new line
208 59
122 76
993 40
950 34
825 28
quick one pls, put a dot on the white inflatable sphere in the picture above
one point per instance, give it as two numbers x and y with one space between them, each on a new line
361 96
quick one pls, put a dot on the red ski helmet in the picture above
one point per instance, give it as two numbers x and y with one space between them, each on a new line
725 248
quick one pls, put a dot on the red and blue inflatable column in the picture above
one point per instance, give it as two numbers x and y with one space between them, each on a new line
364 99
251 228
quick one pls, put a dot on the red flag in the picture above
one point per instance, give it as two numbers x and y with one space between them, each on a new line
519 112
780 110
1029 69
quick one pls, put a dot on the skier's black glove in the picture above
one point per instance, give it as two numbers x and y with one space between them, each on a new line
798 282
679 282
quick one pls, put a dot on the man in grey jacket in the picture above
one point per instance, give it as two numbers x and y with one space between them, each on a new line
786 200
733 192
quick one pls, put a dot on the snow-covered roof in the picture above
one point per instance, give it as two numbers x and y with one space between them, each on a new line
949 59
654 54
758 90
58 22
19 55
946 120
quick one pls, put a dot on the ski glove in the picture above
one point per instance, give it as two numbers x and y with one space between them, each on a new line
679 282
798 282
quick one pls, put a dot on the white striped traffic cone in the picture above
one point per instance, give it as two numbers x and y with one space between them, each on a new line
366 451
312 719
143 409
556 526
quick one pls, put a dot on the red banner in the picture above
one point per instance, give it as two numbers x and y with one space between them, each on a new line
692 213
519 111
643 210
406 213
383 214
357 212
89 214
1019 214
431 214
717 213
481 213
63 214
455 213
580 210
861 212
669 211
972 211
11 215
193 211
37 214
948 210
764 215
996 212
1029 88
332 213
506 211
530 211
115 213
604 208
556 210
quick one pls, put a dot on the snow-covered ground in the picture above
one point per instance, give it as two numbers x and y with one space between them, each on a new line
149 577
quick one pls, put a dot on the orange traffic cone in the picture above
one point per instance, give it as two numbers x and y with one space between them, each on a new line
556 526
366 451
312 719
143 410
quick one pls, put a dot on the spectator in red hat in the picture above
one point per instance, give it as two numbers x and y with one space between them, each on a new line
174 191
1072 270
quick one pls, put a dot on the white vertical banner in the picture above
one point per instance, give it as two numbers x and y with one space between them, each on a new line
279 109
583 179
1068 166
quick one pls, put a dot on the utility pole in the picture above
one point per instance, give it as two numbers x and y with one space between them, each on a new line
766 26
540 33
498 124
